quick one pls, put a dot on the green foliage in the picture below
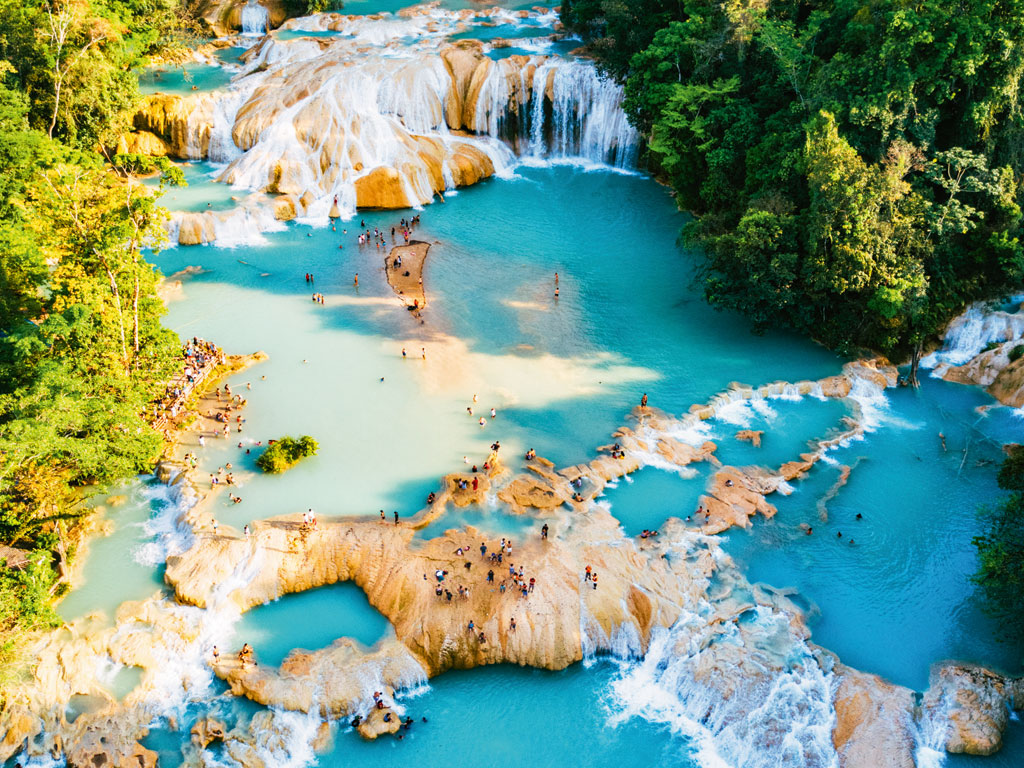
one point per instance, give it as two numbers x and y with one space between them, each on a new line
1016 353
1011 472
286 452
82 349
854 169
1000 548
307 7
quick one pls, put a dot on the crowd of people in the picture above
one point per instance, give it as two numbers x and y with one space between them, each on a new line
199 359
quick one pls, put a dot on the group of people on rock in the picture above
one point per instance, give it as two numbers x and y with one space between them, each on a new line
199 358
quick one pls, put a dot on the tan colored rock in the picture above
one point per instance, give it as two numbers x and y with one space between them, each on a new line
197 228
462 60
873 721
207 731
97 741
753 436
836 386
336 679
182 122
1008 387
733 497
469 164
285 208
142 143
974 703
381 188
375 724
17 724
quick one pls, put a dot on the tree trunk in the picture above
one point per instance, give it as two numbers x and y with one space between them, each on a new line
135 317
120 314
915 360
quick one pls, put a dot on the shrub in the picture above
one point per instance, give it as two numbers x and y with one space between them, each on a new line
285 452
1016 353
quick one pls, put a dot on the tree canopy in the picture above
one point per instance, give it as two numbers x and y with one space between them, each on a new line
82 349
853 166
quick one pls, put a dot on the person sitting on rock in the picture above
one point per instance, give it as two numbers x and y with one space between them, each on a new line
356 721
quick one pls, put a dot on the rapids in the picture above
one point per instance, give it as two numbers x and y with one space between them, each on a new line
319 105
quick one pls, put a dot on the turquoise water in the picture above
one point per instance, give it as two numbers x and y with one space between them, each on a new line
183 80
310 620
199 194
112 572
494 715
899 598
507 31
494 522
646 499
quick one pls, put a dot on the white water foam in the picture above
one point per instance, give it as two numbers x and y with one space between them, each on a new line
969 334
255 19
786 721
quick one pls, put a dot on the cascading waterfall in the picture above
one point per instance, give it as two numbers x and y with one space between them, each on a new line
968 334
587 119
255 19
783 718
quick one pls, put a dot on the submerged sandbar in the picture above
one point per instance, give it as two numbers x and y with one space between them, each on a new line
404 270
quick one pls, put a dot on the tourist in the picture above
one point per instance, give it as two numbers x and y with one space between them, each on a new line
396 517
216 655
593 579
544 531
512 624
382 518
403 353
482 422
587 574
356 281
493 413
643 401
469 626
245 530
490 577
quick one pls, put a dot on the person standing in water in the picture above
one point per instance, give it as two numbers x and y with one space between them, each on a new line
356 281
643 401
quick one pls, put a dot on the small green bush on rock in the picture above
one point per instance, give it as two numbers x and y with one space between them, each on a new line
285 452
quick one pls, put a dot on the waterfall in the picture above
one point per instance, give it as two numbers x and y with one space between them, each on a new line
312 120
782 716
969 333
568 111
587 119
255 19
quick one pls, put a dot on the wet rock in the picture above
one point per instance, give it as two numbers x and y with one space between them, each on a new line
374 725
874 721
974 704
18 725
207 731
753 436
1008 387
197 228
